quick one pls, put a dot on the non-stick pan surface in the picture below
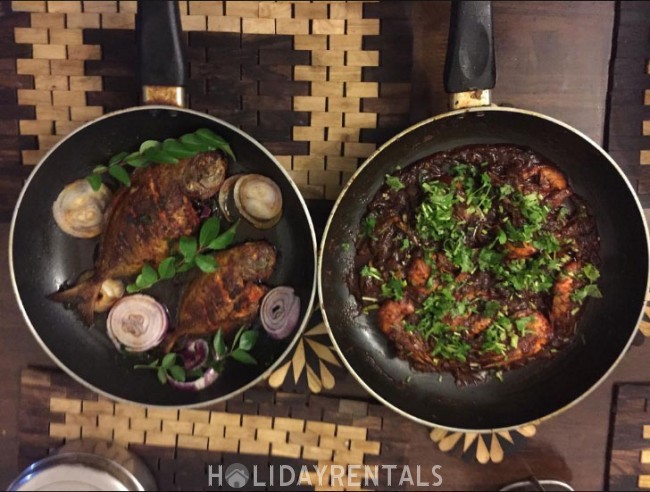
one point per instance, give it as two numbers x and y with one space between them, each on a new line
42 257
543 387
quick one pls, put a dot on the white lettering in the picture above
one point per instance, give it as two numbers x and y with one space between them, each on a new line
419 481
337 474
434 470
406 472
304 478
256 483
353 475
283 482
320 471
212 475
370 476
390 473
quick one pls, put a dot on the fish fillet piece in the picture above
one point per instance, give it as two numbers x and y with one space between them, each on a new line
144 218
228 297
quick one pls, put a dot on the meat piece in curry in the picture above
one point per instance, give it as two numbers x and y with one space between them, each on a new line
476 258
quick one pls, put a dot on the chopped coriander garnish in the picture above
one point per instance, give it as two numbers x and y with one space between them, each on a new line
590 290
521 254
369 271
394 288
591 272
394 182
368 225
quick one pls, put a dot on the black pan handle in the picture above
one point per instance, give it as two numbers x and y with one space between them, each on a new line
470 64
161 52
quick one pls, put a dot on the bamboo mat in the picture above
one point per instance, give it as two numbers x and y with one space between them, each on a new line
629 444
628 136
261 427
319 84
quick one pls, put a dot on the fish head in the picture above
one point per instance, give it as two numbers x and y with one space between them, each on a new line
203 175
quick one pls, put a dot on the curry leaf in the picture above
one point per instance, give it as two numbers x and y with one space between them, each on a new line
117 158
176 149
149 275
225 239
206 263
243 357
209 231
168 361
219 345
136 160
167 268
187 246
120 174
148 144
186 265
156 154
178 373
162 375
210 137
248 339
95 181
133 288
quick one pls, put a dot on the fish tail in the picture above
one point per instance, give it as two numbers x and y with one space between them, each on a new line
169 342
83 296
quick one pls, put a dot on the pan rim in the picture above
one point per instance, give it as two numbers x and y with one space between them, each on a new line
297 334
390 142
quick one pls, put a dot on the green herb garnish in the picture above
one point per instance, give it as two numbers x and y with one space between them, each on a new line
369 271
171 365
394 182
190 252
152 151
368 225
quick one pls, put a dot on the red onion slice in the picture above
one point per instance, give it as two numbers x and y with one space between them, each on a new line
208 378
137 322
279 312
194 354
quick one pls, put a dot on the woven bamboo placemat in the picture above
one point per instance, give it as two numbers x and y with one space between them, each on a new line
319 84
261 427
628 453
628 125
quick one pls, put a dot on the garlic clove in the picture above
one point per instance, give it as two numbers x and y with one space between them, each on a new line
112 290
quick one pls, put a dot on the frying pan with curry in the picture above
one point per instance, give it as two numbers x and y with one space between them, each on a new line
42 257
543 387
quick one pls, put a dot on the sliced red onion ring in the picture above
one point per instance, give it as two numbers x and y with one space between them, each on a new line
208 378
195 353
137 323
279 312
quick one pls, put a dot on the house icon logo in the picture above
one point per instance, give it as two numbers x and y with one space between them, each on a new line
237 475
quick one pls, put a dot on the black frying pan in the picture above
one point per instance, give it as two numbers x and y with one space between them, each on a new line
42 257
543 387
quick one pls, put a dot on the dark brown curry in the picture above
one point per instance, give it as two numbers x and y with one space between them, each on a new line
476 258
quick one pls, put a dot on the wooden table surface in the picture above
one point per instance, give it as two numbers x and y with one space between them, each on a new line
552 57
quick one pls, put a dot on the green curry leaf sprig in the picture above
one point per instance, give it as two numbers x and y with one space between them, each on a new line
169 151
171 365
190 252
